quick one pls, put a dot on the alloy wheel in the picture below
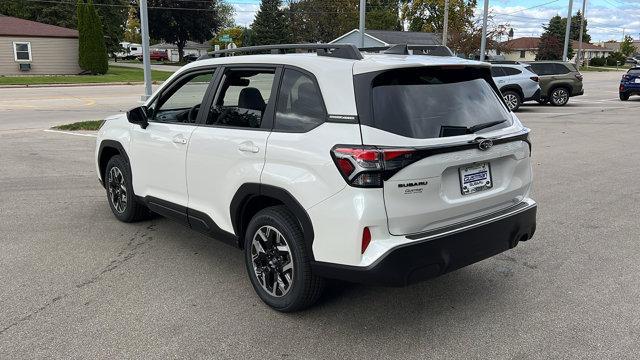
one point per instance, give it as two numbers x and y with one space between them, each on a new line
560 96
272 261
117 190
511 100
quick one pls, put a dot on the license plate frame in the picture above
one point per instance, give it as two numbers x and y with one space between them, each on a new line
475 178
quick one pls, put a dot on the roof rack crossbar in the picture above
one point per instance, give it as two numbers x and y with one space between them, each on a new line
343 51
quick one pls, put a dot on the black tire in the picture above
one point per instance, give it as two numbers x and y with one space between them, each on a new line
559 96
624 96
512 99
117 175
302 288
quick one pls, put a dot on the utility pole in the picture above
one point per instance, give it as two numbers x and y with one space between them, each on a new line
580 55
363 7
445 28
565 52
483 41
144 29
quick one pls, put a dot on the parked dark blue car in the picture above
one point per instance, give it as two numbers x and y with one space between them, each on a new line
630 84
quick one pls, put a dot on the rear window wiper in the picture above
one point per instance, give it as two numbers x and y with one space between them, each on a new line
475 128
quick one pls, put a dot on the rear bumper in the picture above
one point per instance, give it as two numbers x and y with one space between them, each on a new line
436 253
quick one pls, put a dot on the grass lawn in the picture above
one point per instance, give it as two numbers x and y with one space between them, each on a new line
115 74
81 125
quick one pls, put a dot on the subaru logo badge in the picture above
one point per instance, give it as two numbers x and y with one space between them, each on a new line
485 144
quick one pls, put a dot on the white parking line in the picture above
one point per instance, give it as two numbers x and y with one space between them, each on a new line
69 133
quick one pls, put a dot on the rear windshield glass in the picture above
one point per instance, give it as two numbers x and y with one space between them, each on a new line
634 72
429 102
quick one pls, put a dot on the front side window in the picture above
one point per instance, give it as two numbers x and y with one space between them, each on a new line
242 98
426 103
181 103
300 107
22 51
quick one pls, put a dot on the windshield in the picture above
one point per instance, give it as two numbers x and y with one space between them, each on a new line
428 103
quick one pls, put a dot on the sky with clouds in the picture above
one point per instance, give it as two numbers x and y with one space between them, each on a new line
606 18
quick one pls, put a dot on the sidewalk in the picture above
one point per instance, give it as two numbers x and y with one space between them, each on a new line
170 68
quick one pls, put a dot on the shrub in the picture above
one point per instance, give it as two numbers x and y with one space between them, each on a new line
597 61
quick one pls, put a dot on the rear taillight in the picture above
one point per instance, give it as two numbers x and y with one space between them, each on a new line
579 76
368 166
534 78
621 87
366 239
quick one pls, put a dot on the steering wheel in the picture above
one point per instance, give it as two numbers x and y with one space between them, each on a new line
193 113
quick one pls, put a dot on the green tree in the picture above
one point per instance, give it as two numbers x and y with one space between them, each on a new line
626 46
550 48
270 25
226 14
428 15
383 15
82 33
575 28
553 34
235 33
94 57
197 22
132 29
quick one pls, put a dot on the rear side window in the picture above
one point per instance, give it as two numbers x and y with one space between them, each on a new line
560 69
300 107
435 102
542 69
512 71
497 71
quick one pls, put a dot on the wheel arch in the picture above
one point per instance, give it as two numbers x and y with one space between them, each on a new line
108 149
561 85
515 88
253 197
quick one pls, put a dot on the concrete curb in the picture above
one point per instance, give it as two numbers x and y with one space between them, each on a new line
74 84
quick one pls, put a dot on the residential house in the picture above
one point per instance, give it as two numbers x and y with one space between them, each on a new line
29 47
379 38
525 49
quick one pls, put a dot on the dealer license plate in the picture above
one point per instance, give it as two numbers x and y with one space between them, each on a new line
475 177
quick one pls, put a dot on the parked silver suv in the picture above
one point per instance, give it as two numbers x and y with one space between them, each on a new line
517 83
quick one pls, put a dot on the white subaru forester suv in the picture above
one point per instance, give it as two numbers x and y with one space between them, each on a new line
383 168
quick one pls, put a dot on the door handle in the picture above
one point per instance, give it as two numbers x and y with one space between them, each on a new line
248 146
179 139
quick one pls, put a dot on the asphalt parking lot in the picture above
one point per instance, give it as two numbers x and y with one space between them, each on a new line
76 283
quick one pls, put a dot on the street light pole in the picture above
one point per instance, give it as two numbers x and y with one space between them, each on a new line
445 27
565 52
483 41
144 29
580 55
363 6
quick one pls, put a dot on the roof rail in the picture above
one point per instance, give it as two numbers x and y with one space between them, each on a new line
343 51
433 50
513 62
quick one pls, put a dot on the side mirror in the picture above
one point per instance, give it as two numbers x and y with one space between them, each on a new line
138 115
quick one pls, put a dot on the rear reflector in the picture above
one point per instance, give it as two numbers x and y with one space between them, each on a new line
366 239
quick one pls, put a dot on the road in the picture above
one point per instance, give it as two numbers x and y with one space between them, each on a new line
75 283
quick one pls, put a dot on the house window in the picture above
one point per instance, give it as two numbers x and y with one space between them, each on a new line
22 51
523 54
